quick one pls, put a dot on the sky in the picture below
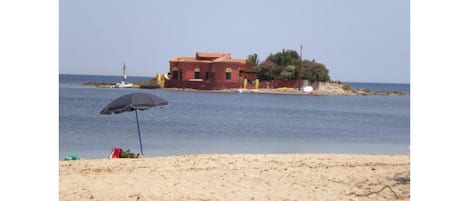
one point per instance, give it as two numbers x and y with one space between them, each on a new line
358 41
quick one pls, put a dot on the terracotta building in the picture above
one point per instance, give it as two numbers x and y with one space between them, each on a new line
207 71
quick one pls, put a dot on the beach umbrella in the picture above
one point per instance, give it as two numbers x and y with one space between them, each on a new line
134 102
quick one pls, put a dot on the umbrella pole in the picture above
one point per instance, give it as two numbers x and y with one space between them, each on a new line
139 138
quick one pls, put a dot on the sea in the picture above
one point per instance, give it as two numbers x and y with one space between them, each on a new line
231 123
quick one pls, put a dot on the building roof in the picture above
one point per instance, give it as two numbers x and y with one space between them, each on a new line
209 57
225 60
188 59
243 61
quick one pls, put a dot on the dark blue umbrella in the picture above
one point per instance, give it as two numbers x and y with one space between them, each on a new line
134 102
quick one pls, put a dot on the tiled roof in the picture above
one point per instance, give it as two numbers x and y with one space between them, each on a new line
243 61
212 54
188 59
212 58
221 60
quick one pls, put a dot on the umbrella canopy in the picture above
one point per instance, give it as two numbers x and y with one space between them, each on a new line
134 102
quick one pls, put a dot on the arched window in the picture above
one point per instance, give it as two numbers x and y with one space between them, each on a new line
228 73
175 73
197 73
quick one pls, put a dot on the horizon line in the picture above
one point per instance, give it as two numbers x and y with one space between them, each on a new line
152 76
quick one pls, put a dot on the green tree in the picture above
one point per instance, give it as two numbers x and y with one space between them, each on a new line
252 61
265 70
313 71
284 65
285 58
288 73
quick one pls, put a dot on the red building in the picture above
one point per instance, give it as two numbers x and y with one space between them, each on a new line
207 71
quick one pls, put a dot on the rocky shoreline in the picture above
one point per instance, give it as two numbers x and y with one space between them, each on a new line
323 88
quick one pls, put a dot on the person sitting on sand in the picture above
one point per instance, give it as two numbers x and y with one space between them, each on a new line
128 154
117 152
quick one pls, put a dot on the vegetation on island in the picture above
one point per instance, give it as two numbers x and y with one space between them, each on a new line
285 65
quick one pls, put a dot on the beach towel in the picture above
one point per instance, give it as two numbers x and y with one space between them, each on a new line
71 157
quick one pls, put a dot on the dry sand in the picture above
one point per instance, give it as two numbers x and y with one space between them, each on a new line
238 177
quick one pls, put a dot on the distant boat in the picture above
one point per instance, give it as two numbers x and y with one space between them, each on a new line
309 90
123 83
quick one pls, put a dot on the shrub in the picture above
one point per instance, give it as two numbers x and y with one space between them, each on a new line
346 87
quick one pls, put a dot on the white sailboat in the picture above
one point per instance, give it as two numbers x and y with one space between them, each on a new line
123 83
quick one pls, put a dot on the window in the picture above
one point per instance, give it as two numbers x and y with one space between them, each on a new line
206 75
197 73
228 73
175 73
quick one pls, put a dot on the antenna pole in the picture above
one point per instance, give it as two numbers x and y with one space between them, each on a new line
299 69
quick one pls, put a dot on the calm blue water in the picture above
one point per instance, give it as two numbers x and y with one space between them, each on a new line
376 87
200 122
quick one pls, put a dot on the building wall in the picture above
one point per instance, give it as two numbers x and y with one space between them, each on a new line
215 70
188 69
202 85
220 71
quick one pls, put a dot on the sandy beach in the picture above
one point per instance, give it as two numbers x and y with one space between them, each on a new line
238 177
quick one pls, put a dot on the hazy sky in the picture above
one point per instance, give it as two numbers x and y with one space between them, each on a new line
357 40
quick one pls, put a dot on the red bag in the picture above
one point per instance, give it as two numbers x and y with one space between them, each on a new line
115 152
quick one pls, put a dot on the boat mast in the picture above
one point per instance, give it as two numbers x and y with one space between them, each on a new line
125 76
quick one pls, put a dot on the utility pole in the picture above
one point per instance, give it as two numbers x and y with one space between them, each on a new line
299 69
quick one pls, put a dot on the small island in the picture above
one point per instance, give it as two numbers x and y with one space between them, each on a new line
325 88
284 72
